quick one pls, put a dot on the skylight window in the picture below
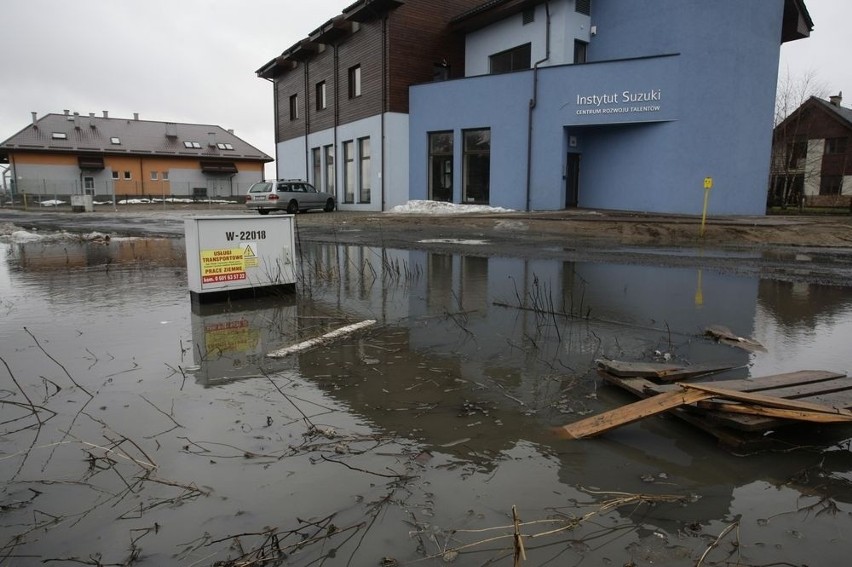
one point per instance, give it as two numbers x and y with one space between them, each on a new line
59 136
222 146
115 140
192 145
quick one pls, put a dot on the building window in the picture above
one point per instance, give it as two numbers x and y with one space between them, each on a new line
835 145
355 81
192 145
580 50
322 102
59 136
316 162
797 151
528 16
329 169
115 141
348 172
831 185
115 175
441 166
514 59
294 107
127 176
222 146
165 176
476 168
153 176
366 173
583 7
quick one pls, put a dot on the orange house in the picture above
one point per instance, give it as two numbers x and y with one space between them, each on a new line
60 155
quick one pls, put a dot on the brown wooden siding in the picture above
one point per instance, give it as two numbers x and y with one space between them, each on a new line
391 59
287 85
420 37
363 48
321 68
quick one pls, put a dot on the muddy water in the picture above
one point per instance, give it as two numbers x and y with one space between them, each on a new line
138 428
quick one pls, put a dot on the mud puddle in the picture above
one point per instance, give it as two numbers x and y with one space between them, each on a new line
139 429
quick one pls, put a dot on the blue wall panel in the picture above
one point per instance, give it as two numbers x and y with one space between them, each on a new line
704 74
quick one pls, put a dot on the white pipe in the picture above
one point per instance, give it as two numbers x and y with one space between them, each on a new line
328 337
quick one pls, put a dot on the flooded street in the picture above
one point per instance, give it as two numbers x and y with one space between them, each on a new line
141 429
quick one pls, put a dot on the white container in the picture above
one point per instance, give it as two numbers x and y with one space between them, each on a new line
82 203
239 256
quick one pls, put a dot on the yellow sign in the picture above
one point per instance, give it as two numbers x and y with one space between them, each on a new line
708 182
223 265
250 255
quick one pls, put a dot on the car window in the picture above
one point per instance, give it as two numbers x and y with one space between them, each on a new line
310 188
261 188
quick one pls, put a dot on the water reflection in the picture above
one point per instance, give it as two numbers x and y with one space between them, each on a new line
473 360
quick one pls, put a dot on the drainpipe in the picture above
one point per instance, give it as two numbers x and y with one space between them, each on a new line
384 102
275 134
534 102
339 189
307 119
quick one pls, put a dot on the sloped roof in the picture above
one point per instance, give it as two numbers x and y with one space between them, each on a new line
841 114
93 134
844 114
332 30
797 20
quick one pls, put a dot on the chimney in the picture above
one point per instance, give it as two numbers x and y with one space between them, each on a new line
136 116
35 117
211 139
231 131
77 120
836 99
106 113
171 130
67 112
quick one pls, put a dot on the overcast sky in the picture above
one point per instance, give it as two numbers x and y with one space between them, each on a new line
195 60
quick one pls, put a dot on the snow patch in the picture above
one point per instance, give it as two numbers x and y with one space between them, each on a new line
439 208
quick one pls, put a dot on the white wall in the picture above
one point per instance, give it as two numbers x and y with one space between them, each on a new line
390 176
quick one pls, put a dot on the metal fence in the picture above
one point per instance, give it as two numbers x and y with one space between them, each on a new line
57 193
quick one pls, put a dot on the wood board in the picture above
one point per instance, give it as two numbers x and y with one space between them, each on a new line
812 395
660 370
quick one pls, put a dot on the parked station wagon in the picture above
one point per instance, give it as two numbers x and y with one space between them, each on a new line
291 195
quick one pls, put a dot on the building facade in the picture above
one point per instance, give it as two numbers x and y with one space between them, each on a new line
606 104
812 156
537 104
59 155
341 96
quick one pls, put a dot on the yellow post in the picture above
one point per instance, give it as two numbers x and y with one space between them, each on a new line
25 201
708 184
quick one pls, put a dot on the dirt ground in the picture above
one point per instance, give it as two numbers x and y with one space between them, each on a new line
812 249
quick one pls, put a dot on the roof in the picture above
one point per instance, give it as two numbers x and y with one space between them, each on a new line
844 114
124 136
839 113
797 23
331 31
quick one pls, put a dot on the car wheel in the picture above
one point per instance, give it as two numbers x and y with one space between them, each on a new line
329 206
263 211
292 207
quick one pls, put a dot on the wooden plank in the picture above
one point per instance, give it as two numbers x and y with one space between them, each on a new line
726 336
712 421
770 401
765 411
787 379
606 421
808 390
660 370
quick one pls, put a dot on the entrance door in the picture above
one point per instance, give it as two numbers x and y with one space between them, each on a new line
572 180
88 185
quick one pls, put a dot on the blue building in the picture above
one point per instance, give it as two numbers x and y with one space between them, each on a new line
610 104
